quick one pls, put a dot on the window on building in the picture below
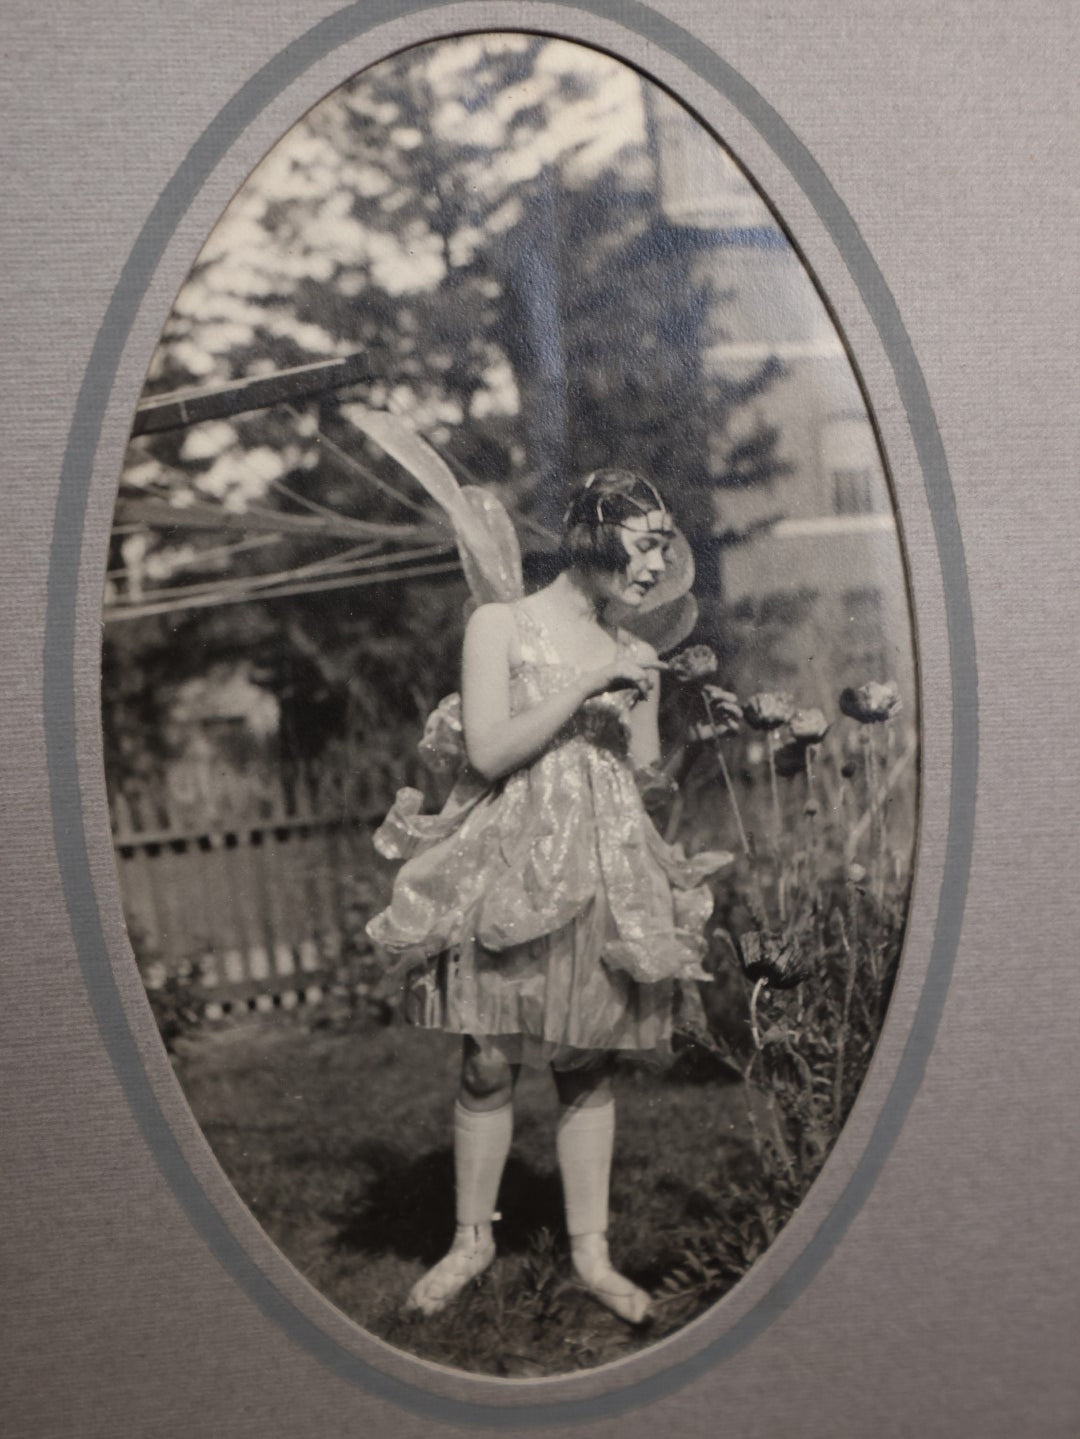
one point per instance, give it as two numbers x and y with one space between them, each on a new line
853 490
865 647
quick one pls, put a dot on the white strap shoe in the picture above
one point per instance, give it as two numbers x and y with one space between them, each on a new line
470 1254
592 1264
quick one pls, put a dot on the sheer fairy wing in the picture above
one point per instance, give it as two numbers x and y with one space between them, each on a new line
493 570
488 545
666 627
669 612
484 533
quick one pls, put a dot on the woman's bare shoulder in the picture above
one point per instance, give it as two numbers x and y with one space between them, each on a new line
491 623
492 615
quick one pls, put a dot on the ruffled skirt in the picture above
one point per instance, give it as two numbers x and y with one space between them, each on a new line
550 1001
545 916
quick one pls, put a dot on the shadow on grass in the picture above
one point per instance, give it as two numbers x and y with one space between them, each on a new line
408 1207
696 1065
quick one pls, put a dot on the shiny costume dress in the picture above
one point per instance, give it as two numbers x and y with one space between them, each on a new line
543 914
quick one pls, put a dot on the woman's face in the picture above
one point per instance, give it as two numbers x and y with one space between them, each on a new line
646 539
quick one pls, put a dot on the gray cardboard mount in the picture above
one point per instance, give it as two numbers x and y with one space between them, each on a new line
922 155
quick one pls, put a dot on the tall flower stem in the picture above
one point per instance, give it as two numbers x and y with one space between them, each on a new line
812 806
867 739
774 789
852 889
778 827
670 768
783 1150
886 746
726 775
845 1018
755 995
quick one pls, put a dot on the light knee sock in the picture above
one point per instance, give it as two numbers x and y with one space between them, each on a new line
584 1142
481 1144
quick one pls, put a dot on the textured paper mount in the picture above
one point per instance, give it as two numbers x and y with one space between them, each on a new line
937 1300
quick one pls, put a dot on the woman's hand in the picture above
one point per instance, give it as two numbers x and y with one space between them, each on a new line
498 742
625 671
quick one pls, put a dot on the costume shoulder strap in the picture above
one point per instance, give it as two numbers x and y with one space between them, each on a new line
533 638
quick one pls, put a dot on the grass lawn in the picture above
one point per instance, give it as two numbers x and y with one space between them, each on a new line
338 1139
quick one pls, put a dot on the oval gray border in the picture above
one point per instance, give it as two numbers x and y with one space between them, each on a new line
60 709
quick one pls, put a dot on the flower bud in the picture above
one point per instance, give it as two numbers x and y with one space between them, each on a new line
790 759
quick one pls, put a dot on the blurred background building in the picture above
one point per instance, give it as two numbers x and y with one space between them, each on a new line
833 536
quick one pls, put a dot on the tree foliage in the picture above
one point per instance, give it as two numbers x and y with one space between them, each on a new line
480 218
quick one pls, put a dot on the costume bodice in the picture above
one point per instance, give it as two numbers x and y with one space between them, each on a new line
508 862
603 720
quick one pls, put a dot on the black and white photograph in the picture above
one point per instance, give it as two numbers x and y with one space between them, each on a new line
510 707
540 754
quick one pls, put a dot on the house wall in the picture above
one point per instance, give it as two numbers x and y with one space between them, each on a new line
836 532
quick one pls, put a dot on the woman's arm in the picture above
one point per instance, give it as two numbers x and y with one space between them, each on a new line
496 742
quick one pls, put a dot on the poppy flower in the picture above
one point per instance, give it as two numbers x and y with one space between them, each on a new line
767 710
808 726
772 957
696 662
871 703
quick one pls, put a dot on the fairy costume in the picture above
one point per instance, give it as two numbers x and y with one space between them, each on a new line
542 913
552 917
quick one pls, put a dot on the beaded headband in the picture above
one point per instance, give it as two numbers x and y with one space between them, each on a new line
657 516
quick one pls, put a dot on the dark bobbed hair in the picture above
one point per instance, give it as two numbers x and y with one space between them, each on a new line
603 501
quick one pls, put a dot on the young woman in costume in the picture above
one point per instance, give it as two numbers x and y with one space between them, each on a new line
550 922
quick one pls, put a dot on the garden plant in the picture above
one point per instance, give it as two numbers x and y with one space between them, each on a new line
323 1118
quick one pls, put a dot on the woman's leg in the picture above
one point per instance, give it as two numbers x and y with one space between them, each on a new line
584 1142
483 1126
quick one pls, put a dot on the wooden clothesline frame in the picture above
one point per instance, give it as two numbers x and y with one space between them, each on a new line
183 408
